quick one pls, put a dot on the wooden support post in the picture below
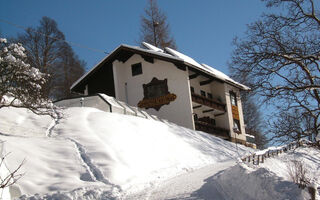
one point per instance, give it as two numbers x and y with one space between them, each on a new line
249 159
263 158
253 158
258 160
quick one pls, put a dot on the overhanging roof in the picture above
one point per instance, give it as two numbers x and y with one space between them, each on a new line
124 52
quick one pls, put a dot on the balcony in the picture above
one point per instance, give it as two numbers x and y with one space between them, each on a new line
206 124
208 102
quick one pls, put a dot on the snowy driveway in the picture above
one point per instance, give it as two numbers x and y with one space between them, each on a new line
192 185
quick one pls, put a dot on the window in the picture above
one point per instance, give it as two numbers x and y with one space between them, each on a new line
136 69
156 90
233 98
203 93
236 126
210 96
192 90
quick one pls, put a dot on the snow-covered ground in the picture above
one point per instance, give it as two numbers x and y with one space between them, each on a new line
90 154
116 153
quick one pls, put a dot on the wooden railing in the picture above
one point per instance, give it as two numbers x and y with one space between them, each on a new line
260 158
211 129
208 102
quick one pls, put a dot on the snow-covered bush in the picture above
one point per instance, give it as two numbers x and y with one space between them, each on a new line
20 83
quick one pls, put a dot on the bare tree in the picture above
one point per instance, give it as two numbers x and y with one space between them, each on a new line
48 51
11 177
43 45
71 68
154 27
280 58
252 119
298 173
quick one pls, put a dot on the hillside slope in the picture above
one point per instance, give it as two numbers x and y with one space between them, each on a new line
93 154
90 154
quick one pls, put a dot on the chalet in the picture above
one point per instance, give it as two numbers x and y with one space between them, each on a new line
170 85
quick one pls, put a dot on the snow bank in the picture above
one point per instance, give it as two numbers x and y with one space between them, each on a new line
309 157
22 122
111 154
269 180
240 182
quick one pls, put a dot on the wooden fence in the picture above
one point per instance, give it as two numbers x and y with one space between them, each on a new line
260 158
256 159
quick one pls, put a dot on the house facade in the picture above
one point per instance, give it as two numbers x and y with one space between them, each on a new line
170 85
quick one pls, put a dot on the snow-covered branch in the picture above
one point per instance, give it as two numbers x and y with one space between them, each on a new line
21 84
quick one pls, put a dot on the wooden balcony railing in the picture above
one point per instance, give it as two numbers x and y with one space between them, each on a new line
211 129
208 102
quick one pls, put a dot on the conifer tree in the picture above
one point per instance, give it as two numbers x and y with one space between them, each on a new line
154 27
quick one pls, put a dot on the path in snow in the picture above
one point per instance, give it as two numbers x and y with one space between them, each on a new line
187 186
54 123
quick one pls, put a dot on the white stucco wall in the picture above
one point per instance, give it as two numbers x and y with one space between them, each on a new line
229 88
178 111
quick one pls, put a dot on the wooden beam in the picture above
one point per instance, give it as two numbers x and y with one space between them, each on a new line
195 107
205 111
193 76
181 66
148 58
217 115
124 56
206 82
204 74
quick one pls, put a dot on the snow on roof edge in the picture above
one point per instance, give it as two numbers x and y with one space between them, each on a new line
127 46
152 47
174 54
208 69
226 78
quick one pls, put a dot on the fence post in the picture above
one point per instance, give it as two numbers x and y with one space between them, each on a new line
258 160
312 192
262 160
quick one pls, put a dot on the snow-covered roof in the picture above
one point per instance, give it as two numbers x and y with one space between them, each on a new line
183 57
151 47
153 51
203 67
168 54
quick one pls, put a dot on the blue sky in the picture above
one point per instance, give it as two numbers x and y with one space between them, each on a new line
203 29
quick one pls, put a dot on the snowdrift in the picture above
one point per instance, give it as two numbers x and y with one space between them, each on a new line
269 180
90 152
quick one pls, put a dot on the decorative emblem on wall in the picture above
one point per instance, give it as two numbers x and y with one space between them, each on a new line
156 94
